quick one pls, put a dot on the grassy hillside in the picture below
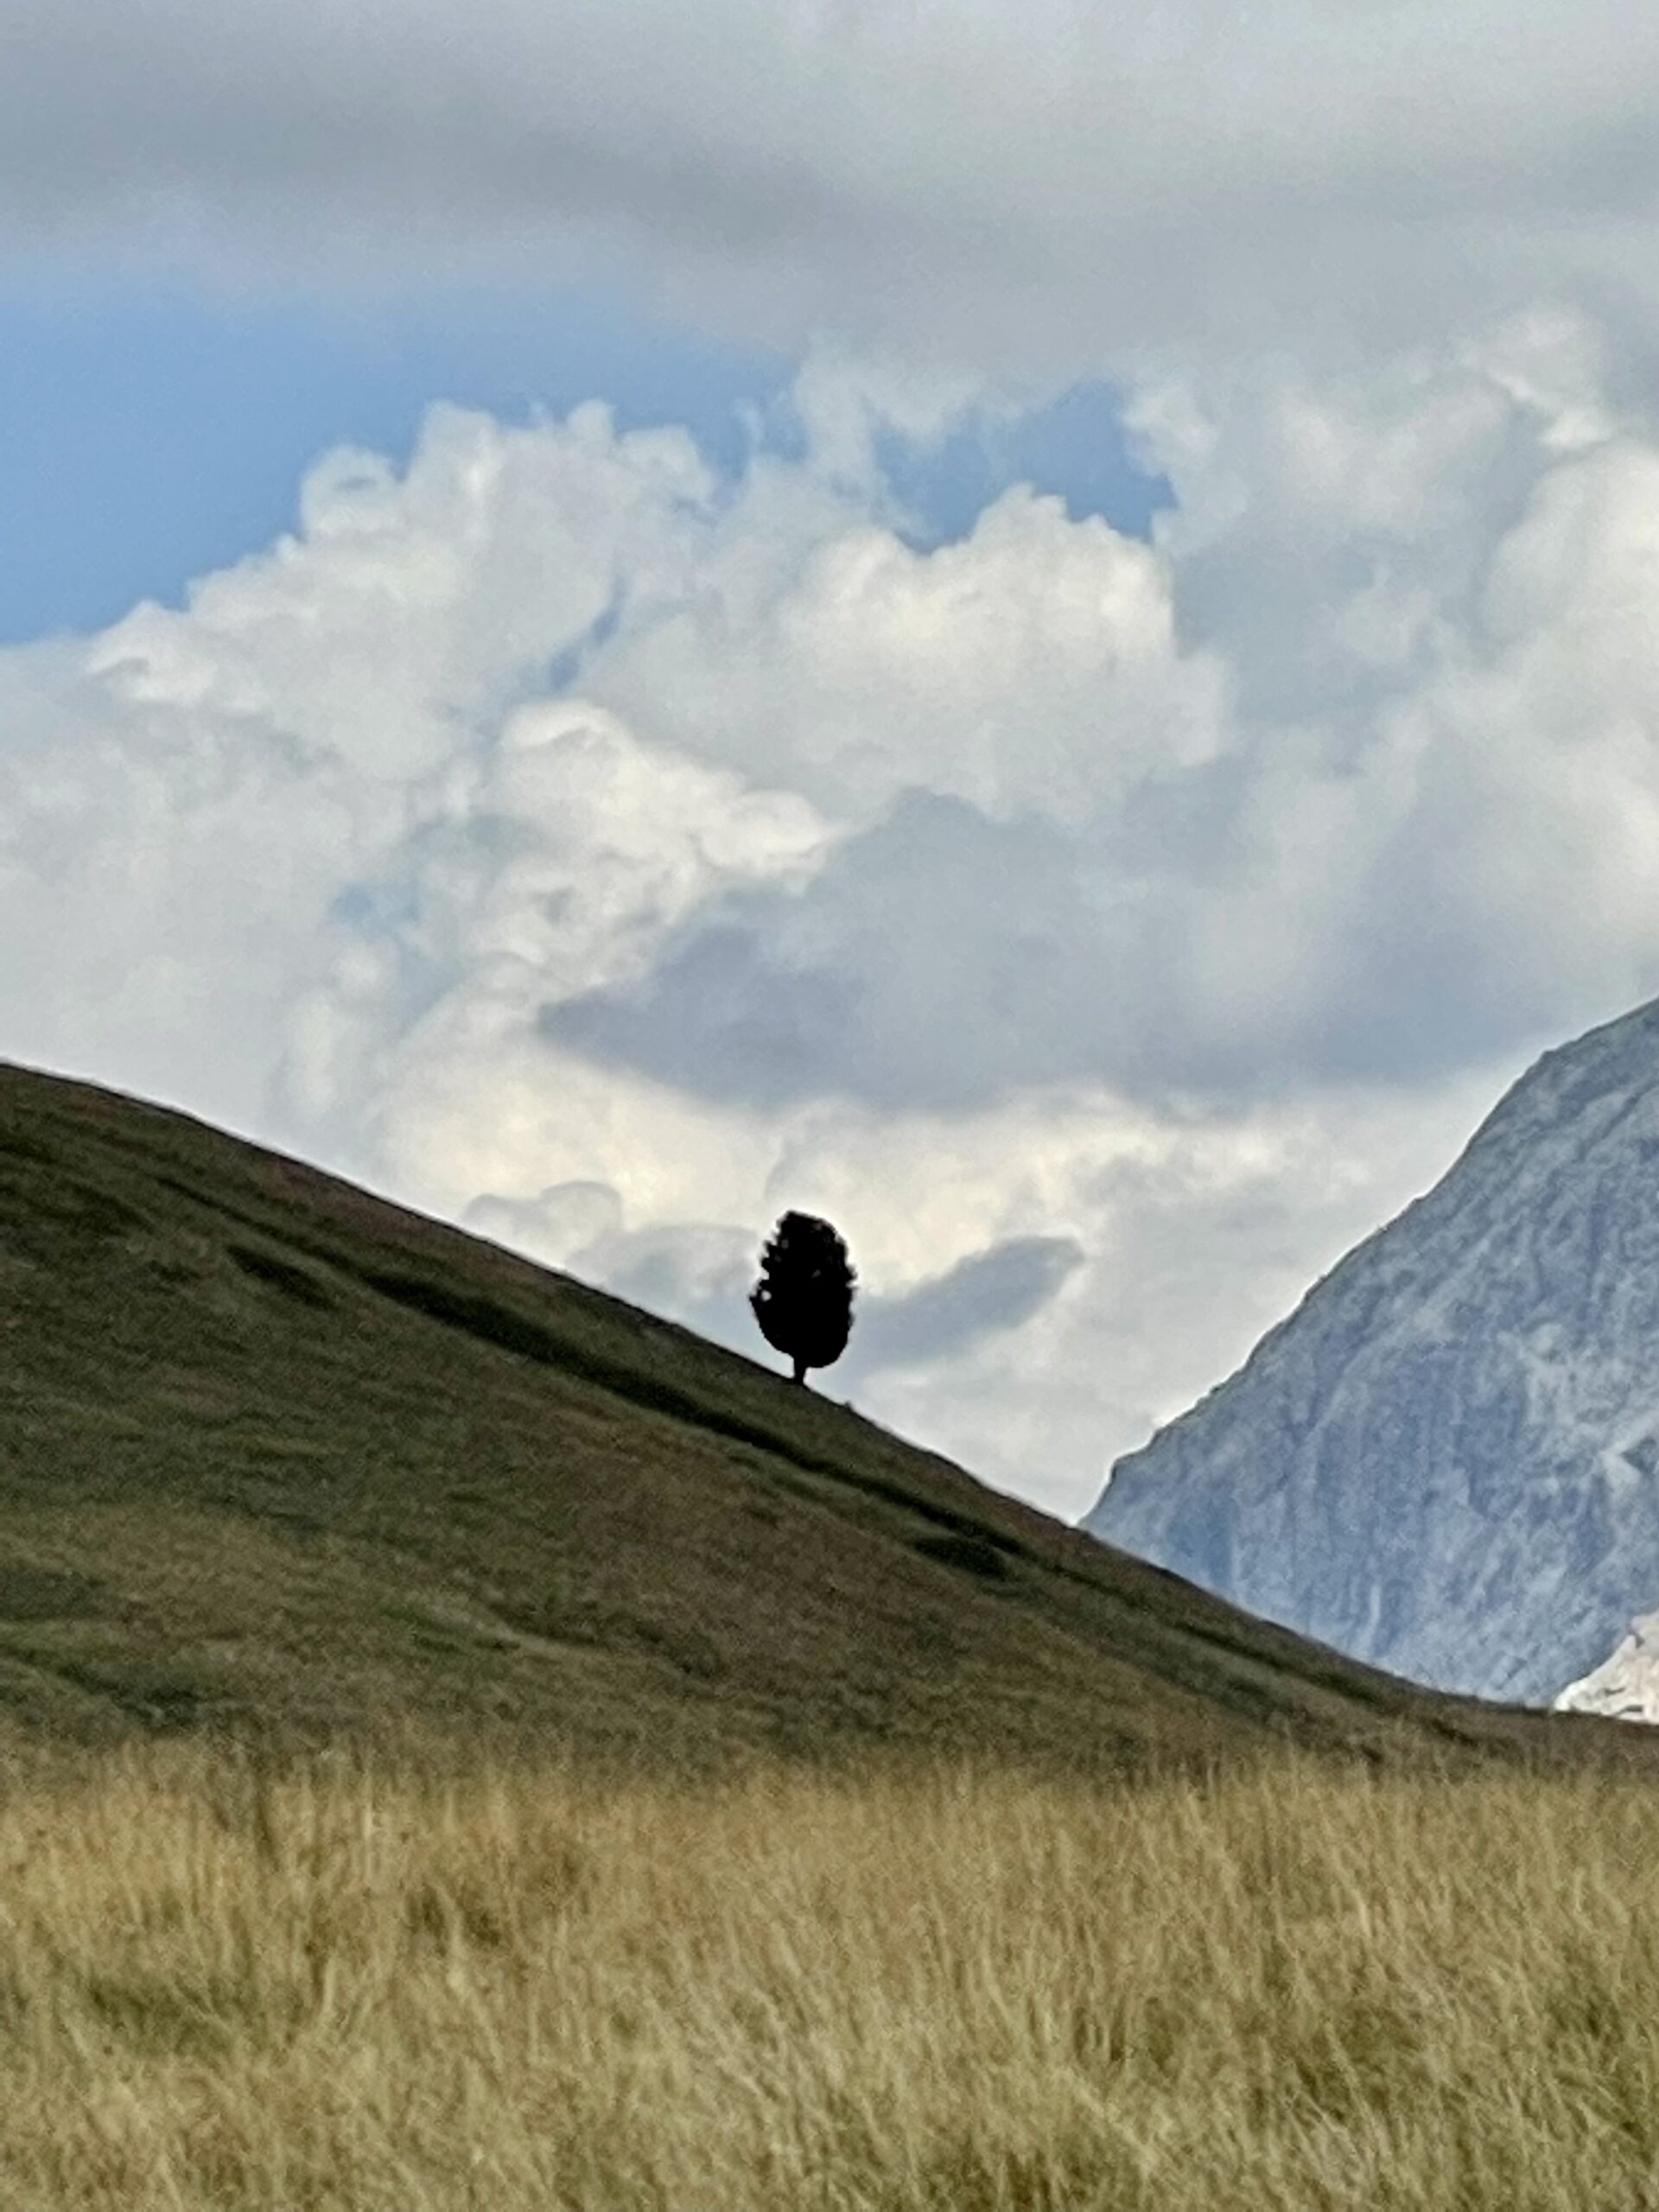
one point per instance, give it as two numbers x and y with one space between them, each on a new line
280 1460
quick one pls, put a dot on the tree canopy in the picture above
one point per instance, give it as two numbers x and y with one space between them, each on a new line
803 1299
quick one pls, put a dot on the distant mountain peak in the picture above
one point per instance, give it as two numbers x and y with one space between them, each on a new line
1446 1459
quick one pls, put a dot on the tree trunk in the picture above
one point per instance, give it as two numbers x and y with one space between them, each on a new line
800 1370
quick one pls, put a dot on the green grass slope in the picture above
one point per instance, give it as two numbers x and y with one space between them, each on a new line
280 1460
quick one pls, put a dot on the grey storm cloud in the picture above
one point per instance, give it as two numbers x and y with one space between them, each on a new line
946 961
940 960
1091 176
982 1296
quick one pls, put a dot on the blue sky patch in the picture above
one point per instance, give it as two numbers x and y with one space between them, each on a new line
1074 446
148 438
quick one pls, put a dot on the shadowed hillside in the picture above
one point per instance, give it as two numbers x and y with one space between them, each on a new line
279 1459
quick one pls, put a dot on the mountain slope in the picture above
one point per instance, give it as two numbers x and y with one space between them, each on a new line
1447 1460
280 1459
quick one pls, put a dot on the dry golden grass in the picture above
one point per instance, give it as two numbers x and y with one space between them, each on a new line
959 1991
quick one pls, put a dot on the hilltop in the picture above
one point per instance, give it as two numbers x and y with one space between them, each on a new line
281 1460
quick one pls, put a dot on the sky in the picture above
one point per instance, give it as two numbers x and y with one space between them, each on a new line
1035 628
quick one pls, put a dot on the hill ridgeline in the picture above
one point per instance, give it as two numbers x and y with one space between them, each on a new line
283 1462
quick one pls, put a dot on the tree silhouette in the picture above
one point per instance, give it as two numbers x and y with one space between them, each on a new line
804 1300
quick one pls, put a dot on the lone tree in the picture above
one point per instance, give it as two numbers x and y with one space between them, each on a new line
804 1300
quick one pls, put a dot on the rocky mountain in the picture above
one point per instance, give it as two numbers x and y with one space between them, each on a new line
1447 1460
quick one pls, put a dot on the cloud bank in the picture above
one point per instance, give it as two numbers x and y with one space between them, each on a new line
1043 186
1103 933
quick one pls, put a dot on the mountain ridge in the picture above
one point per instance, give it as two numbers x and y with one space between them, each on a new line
1486 1365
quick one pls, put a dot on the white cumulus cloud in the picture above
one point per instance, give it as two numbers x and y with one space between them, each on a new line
1102 933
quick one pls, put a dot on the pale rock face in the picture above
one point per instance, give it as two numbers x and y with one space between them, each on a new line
1447 1460
1626 1686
